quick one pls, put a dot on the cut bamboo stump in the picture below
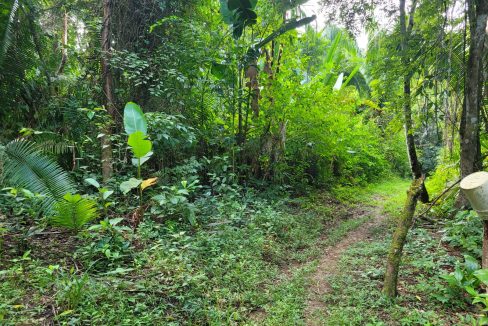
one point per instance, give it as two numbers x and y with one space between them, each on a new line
475 188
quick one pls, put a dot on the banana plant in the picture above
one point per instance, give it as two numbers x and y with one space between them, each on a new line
135 125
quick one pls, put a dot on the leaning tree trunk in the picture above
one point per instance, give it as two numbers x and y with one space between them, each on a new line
399 238
470 118
107 78
415 164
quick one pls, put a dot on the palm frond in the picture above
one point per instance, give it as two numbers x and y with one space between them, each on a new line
74 211
26 167
52 143
7 29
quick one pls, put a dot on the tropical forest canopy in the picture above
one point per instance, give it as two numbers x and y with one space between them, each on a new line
228 162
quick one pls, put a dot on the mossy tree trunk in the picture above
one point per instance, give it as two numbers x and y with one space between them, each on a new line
399 238
406 31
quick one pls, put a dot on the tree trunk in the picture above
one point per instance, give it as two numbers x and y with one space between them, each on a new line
64 45
108 91
415 164
470 118
399 238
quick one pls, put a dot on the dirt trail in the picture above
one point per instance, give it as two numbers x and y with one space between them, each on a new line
328 263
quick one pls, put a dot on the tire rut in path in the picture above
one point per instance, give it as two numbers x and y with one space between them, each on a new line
328 263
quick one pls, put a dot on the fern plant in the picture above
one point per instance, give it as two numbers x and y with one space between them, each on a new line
26 167
74 211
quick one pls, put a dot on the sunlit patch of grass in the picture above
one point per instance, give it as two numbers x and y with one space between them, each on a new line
390 194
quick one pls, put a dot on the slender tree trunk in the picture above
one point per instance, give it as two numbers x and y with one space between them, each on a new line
399 238
38 46
469 130
240 131
107 78
64 44
415 164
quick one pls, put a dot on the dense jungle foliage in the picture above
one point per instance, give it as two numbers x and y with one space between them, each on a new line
242 162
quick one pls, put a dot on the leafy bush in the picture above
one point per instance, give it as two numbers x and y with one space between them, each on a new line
172 137
465 232
332 141
468 277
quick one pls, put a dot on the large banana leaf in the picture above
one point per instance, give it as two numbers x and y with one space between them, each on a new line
139 144
27 168
134 119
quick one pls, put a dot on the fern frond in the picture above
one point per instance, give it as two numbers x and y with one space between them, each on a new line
26 167
74 211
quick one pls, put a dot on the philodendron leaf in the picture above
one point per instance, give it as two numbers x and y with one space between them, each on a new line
139 144
134 119
130 184
144 159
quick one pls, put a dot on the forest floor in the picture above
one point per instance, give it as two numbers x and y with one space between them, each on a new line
314 260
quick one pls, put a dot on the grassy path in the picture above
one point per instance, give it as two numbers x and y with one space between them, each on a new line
342 284
328 263
356 216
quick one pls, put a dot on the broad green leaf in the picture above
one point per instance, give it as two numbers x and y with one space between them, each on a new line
139 144
143 159
130 184
92 182
115 221
482 275
225 12
107 194
471 291
458 275
134 119
471 263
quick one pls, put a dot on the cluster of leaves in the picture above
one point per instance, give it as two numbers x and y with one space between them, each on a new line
239 13
465 231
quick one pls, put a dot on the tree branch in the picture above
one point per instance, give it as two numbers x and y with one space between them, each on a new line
285 28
